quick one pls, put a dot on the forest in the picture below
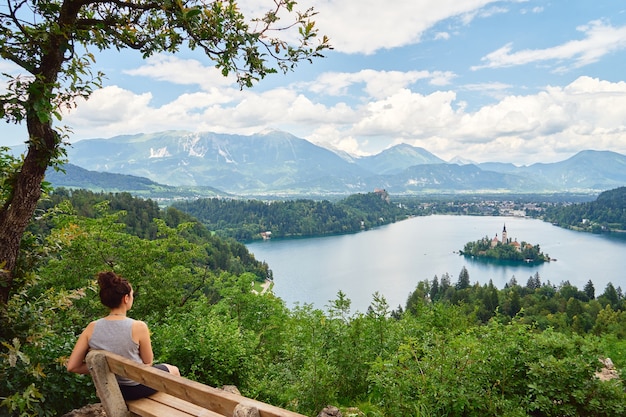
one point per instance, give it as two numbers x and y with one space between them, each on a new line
454 349
607 213
245 220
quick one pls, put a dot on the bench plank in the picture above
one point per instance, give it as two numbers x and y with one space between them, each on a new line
162 404
220 402
208 397
145 407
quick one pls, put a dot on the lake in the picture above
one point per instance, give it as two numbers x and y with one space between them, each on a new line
392 259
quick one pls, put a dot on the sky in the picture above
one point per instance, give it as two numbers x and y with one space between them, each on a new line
520 81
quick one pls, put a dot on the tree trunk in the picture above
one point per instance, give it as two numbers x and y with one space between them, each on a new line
43 144
22 203
43 147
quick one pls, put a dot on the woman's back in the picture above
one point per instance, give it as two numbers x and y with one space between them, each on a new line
116 336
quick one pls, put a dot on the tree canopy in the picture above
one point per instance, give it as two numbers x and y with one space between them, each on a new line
54 42
606 213
245 219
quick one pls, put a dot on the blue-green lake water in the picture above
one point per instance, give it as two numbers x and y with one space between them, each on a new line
392 259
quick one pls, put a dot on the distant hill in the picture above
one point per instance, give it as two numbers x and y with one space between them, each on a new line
596 170
397 158
75 177
280 164
455 178
599 170
498 167
606 213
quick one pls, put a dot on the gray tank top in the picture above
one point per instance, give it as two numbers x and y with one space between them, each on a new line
116 336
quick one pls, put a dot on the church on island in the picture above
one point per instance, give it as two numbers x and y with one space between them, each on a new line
507 241
504 248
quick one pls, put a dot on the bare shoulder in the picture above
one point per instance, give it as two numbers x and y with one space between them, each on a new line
141 333
140 326
89 329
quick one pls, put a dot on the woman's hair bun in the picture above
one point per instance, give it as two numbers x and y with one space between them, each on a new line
108 279
112 288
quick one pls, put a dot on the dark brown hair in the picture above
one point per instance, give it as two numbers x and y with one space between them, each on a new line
112 288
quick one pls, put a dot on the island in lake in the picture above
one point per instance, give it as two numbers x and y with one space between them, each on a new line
505 249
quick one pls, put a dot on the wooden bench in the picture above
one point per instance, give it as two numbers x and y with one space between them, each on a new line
177 396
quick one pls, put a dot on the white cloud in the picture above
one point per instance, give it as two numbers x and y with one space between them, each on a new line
331 137
175 70
550 125
366 26
553 123
600 39
378 84
486 12
110 111
547 126
407 114
495 86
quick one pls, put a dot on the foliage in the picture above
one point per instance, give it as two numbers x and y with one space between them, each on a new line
484 248
456 350
205 346
138 216
36 336
606 213
8 164
38 326
493 370
540 304
244 220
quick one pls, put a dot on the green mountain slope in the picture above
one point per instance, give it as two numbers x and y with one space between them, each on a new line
606 213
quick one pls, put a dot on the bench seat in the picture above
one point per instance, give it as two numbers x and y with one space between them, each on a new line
176 396
162 404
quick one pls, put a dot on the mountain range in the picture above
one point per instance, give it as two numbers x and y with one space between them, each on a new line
278 163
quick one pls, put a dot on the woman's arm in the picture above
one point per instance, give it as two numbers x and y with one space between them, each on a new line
76 362
141 335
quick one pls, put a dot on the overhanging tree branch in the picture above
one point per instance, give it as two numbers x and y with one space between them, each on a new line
44 37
